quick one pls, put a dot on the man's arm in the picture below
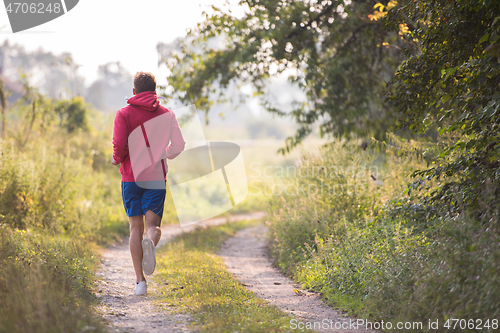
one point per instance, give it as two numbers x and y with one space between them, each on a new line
177 142
120 139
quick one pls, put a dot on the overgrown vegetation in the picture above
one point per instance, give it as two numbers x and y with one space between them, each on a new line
45 283
368 248
451 82
59 195
193 279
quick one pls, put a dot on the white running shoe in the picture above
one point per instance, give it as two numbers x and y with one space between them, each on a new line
141 288
148 256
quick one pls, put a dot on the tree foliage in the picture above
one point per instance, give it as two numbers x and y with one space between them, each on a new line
343 53
451 79
73 114
35 114
338 52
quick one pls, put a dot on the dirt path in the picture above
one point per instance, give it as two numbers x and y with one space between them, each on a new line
126 312
246 257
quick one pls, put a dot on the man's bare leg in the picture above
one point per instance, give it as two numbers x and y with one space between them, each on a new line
153 230
136 232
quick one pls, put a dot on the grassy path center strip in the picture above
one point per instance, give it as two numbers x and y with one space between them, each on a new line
193 279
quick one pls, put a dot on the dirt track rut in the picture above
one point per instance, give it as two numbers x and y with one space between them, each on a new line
246 257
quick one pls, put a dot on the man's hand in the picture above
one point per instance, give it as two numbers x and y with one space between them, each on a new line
113 161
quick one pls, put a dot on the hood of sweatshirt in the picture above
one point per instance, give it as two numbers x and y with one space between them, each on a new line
148 100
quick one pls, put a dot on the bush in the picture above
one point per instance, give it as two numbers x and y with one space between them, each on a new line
375 253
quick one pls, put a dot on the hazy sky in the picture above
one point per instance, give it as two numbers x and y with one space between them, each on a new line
99 31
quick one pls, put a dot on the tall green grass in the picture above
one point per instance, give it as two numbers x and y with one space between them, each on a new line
59 197
340 189
45 284
371 251
44 189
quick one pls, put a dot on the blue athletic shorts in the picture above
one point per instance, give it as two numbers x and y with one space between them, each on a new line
138 200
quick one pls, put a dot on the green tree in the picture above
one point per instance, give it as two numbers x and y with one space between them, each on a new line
451 80
73 114
338 52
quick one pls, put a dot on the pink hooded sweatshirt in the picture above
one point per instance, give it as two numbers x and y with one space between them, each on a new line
143 107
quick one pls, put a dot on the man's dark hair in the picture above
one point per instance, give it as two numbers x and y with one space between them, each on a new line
144 81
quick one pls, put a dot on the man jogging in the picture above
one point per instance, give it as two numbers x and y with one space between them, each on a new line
144 203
